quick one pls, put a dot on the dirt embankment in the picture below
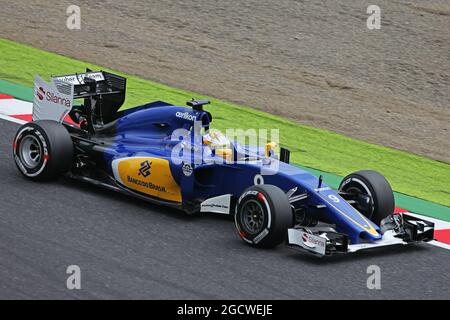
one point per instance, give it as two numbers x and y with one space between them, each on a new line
312 61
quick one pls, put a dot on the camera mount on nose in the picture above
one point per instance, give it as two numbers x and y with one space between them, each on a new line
197 105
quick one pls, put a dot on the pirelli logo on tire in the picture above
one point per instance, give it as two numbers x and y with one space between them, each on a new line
150 176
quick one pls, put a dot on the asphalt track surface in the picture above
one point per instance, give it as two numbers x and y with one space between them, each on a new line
129 249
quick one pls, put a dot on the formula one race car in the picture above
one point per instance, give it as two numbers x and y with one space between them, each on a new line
169 155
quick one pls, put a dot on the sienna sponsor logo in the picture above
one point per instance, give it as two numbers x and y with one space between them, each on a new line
52 97
312 241
40 93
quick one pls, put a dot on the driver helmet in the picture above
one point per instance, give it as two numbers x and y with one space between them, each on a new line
216 139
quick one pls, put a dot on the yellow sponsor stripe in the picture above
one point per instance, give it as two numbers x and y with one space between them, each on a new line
157 180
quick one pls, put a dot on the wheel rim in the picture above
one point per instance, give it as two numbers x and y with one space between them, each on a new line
252 217
30 152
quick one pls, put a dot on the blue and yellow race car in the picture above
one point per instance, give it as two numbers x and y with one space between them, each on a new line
171 156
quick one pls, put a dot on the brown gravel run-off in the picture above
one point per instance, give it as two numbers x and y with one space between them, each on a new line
312 61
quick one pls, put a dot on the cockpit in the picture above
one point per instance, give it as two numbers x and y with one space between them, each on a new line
219 144
215 144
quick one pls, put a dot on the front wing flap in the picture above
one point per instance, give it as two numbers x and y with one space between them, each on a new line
397 230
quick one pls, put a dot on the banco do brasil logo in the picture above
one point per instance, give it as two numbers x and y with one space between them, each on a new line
145 169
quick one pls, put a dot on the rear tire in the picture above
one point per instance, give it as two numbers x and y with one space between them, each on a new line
263 216
376 186
43 150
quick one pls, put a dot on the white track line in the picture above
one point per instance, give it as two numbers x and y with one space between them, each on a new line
11 119
11 107
14 106
439 244
438 224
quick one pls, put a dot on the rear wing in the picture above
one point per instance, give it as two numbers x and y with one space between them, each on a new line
103 94
91 83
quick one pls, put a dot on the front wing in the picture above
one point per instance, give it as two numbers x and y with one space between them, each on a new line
324 241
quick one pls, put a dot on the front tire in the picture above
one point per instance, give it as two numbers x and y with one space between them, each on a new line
372 184
263 216
43 150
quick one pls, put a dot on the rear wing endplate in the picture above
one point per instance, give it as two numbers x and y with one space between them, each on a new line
103 94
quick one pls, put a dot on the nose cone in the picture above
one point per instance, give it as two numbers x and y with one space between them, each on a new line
348 220
372 235
358 230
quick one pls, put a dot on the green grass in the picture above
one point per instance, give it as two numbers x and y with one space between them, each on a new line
316 148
